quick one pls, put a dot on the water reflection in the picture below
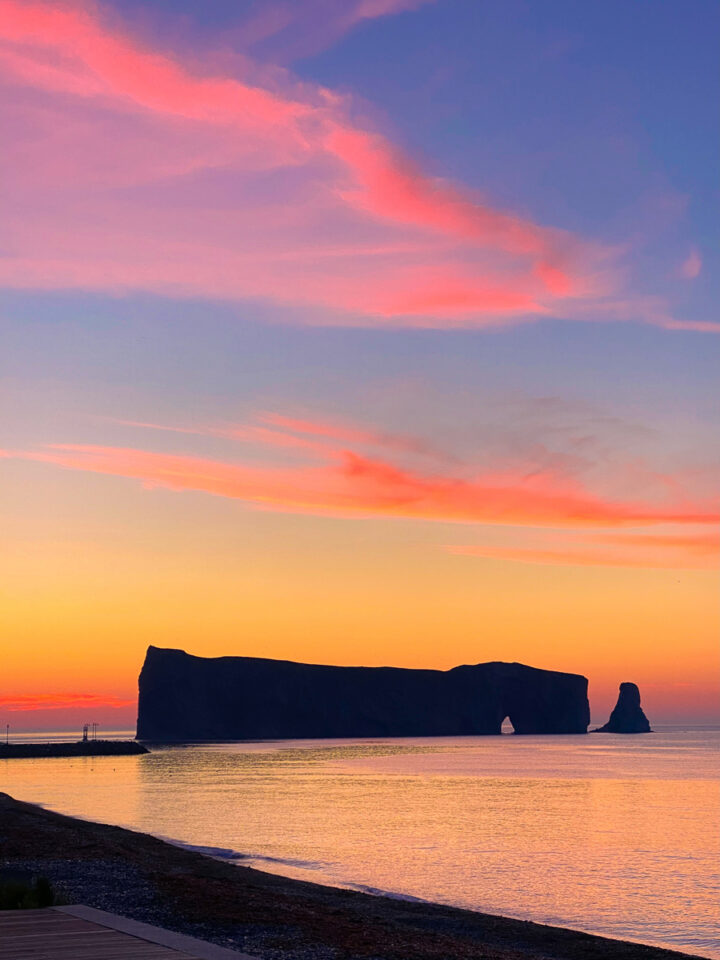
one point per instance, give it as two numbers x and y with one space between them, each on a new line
614 835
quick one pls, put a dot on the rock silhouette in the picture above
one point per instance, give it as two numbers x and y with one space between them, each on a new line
627 716
182 697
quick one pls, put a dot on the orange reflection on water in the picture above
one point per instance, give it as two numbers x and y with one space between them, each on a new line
613 835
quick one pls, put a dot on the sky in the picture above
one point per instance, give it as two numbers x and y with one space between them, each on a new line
359 332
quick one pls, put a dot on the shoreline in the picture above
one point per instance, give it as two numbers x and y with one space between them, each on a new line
236 857
266 914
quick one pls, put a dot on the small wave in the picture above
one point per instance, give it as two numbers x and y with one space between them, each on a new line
379 892
287 861
226 853
218 853
236 856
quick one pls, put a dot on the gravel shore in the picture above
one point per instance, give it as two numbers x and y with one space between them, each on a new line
271 917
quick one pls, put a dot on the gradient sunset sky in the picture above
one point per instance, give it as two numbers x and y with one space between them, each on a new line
359 332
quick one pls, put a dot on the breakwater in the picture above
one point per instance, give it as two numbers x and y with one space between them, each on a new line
81 748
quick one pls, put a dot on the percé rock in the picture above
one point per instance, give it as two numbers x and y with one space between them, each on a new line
182 697
628 716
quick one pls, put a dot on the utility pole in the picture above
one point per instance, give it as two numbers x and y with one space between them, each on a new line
7 734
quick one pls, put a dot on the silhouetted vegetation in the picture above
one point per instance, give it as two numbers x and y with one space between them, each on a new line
15 895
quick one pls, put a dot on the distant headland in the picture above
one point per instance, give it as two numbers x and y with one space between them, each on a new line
183 697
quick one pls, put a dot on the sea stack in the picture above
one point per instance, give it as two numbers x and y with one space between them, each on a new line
628 716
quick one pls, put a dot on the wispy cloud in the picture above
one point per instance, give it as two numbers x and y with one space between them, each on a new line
349 482
130 170
281 430
702 544
557 487
697 326
349 433
698 551
285 31
61 701
692 265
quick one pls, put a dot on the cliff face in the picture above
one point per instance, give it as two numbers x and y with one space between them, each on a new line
182 697
628 715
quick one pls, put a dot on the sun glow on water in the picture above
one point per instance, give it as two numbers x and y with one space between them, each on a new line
611 835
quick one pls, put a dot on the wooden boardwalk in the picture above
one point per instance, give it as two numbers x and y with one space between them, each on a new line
82 933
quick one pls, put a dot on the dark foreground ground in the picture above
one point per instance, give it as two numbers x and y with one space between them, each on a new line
272 917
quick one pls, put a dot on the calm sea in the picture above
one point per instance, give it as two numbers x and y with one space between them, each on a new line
615 835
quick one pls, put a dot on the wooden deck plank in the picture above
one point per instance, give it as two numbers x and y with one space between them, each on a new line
137 950
52 935
85 933
184 944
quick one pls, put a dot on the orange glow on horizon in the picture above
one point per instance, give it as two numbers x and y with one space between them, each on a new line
61 701
301 579
88 611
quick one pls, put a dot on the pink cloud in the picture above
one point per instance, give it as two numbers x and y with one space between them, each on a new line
278 430
697 326
699 551
248 433
703 544
350 433
389 187
334 431
646 309
315 436
692 266
346 483
65 49
285 31
131 171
